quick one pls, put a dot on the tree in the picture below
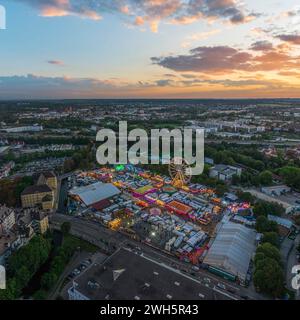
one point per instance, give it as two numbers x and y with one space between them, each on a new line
221 189
236 180
265 208
266 178
40 295
246 196
269 251
271 237
11 292
10 190
23 275
258 257
65 228
264 225
291 176
69 165
48 280
25 262
268 278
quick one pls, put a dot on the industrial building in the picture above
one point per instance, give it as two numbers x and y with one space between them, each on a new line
129 276
276 190
34 128
231 252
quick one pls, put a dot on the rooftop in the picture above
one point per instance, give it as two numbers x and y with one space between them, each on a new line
96 192
232 249
38 215
4 212
281 221
36 189
126 275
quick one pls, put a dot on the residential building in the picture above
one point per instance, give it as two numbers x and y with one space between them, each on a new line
7 219
38 195
5 170
8 243
42 194
40 222
48 178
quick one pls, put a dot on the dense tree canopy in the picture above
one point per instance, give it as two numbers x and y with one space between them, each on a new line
291 176
268 277
264 225
264 208
23 264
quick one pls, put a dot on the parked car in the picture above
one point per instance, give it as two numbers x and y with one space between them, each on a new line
221 286
76 272
82 267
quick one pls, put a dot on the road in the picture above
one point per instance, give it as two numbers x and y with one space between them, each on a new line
76 260
62 195
109 241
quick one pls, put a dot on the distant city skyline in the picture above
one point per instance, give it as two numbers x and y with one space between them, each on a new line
55 49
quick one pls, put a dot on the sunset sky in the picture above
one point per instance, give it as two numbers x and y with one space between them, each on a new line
150 49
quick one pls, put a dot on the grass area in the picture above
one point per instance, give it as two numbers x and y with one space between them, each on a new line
74 242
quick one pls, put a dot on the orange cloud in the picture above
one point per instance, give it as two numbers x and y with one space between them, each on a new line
152 11
139 21
54 12
57 12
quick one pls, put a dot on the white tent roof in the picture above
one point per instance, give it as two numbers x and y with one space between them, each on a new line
232 249
95 192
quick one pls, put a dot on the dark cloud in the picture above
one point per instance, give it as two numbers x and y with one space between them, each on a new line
39 87
32 86
204 59
291 38
219 8
262 46
164 82
56 62
148 11
293 13
233 83
225 59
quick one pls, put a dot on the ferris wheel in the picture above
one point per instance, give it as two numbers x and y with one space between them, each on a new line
180 172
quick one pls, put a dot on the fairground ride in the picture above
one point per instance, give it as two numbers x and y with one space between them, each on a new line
180 172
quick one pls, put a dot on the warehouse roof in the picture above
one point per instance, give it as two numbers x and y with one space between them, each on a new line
281 221
96 192
232 249
128 276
